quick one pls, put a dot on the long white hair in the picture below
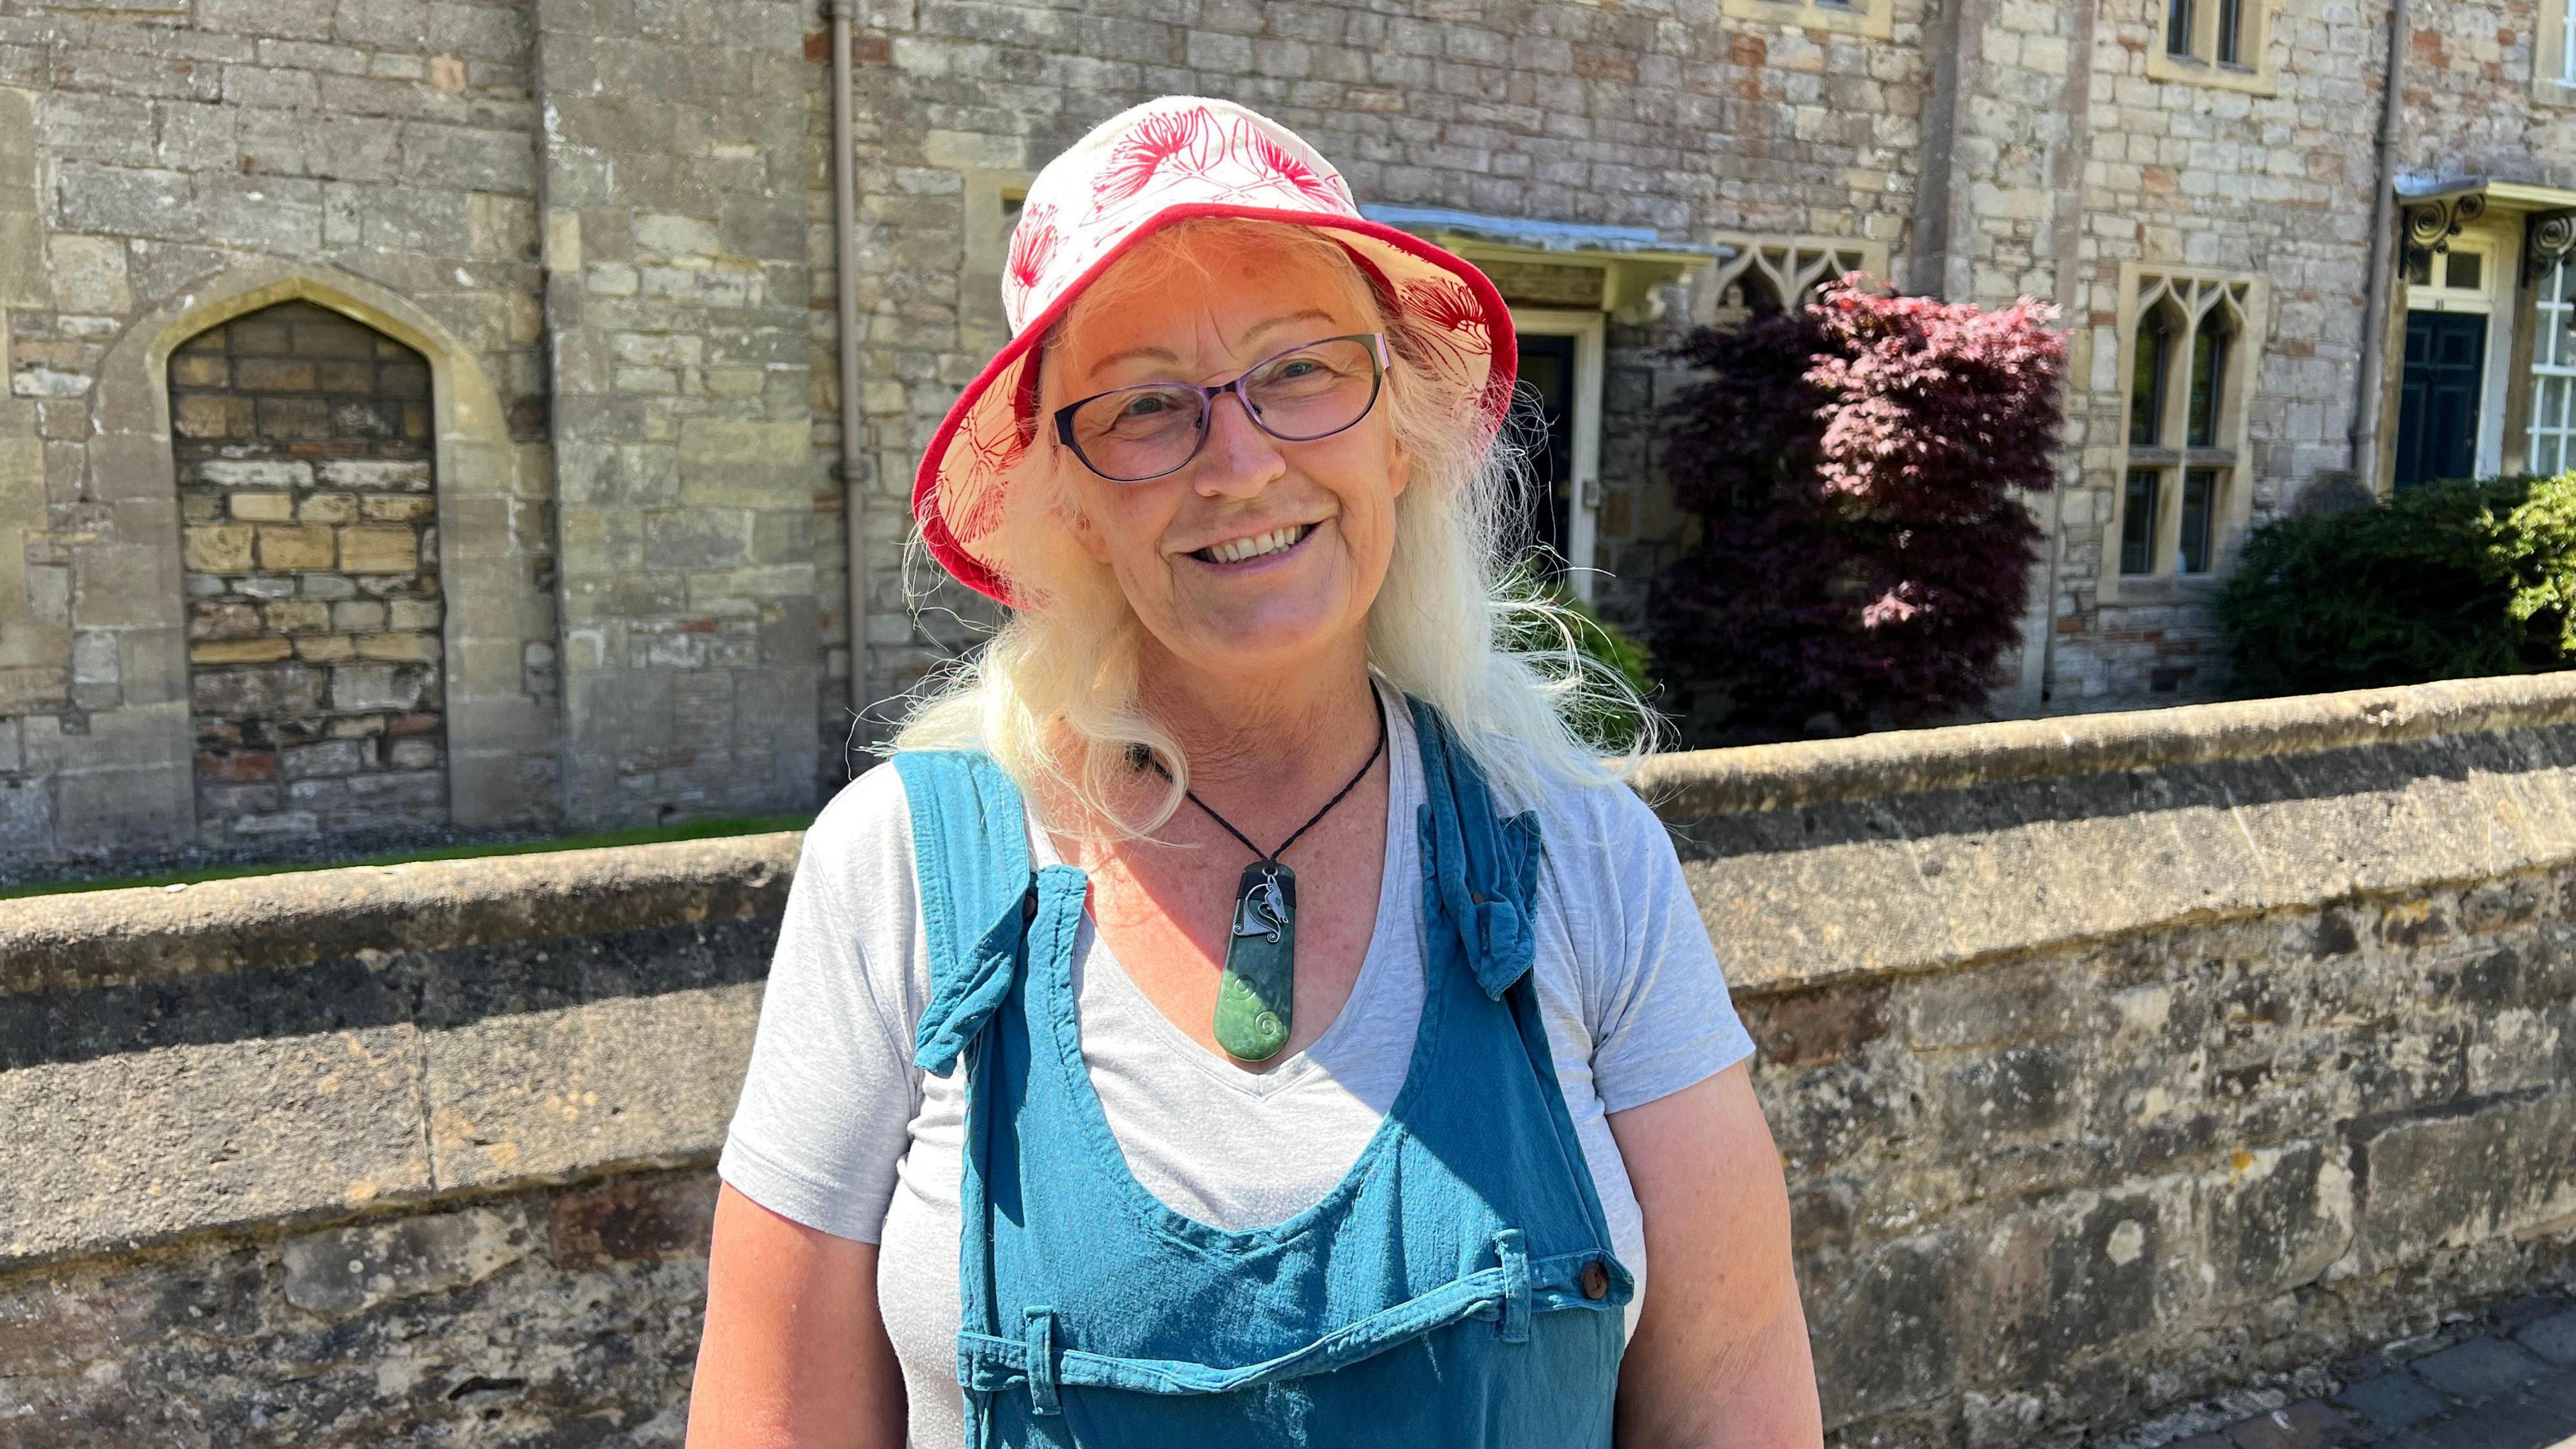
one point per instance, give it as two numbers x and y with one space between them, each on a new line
1054 695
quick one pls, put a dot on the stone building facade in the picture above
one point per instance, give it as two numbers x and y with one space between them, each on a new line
606 230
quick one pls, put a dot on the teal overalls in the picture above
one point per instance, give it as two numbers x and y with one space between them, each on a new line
1456 1288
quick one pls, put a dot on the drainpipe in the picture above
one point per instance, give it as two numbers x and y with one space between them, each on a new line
845 259
2383 231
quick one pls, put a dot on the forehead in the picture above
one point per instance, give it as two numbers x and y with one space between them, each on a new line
1184 294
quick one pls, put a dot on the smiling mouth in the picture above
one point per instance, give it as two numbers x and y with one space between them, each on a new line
1260 545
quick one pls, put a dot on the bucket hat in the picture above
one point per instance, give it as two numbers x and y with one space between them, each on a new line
1135 173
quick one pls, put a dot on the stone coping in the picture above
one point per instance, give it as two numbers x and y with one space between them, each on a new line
1702 783
103 937
98 938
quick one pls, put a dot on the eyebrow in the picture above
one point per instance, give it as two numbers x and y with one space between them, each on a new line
1166 355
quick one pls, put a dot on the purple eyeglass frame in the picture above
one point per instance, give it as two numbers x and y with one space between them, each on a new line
1208 393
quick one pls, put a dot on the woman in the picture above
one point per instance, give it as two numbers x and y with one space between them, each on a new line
1242 1011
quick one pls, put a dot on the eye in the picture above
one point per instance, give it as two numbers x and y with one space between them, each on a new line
1298 367
1145 405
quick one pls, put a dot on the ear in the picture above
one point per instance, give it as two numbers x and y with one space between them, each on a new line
1399 466
1077 519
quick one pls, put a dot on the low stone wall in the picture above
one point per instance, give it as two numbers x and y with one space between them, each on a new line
2115 1061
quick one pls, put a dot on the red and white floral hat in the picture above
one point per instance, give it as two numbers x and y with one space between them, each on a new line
1143 169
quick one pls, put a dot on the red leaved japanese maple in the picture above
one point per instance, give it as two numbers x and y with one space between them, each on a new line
1855 466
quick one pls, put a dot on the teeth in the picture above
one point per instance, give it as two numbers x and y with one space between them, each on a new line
1239 549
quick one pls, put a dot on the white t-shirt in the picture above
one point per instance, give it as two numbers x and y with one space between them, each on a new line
838 1129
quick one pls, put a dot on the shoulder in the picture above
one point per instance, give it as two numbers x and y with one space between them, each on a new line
1589 816
860 846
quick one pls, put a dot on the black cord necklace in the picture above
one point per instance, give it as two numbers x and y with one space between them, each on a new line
1256 998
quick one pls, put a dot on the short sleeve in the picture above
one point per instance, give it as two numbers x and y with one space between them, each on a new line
828 1101
1654 995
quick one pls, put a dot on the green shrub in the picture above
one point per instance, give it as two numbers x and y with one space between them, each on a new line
2448 581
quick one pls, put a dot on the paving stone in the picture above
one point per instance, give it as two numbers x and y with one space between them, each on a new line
2393 1401
2304 1425
2509 1425
2553 1338
2479 1369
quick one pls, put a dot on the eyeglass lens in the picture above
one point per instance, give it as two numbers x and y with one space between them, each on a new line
1144 432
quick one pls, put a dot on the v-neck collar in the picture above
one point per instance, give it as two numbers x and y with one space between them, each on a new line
1385 953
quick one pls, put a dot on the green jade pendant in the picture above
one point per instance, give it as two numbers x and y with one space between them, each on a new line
1256 998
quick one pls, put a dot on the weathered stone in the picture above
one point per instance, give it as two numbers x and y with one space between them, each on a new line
350 1270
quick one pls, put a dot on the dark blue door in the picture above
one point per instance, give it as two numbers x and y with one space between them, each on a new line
2437 411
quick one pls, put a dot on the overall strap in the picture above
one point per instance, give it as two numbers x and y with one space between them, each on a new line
1484 868
970 850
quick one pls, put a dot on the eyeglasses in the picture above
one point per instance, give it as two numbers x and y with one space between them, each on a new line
1133 434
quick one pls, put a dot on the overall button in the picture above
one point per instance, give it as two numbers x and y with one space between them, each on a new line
1595 1281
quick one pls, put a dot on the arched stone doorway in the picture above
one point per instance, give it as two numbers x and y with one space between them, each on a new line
304 455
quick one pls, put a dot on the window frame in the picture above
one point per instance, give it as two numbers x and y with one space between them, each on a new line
2551 316
2231 307
2204 58
2553 54
1868 19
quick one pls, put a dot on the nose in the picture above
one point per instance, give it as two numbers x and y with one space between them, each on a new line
1239 460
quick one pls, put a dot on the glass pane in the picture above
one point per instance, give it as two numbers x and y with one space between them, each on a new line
2178 27
2544 453
2208 361
2138 523
2147 385
2465 271
2419 269
2199 503
2231 26
2553 402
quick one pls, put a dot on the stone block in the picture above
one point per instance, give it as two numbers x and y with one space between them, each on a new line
328 508
398 508
279 691
406 647
636 1219
241 651
729 462
219 549
328 758
89 276
287 548
189 1137
523 1097
357 687
377 474
259 472
413 614
299 616
326 648
358 614
346 1271
2448 1181
262 507
370 549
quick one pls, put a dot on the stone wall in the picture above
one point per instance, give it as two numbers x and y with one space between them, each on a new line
165 167
2115 1062
305 491
675 212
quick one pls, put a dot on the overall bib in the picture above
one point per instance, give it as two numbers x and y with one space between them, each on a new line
1456 1288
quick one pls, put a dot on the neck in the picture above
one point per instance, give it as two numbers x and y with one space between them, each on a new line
1265 737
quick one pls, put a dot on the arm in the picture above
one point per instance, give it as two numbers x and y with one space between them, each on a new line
794 1355
1720 1358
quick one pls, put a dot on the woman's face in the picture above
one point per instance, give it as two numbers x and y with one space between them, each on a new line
1174 543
